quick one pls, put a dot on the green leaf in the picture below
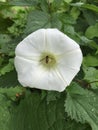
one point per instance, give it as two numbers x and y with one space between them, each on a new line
3 3
37 20
56 4
90 7
23 2
68 1
4 23
90 61
40 19
68 29
84 41
45 5
35 113
1 60
52 96
7 68
72 125
75 12
67 19
82 105
4 38
91 74
55 22
19 20
9 79
92 31
91 17
77 4
7 45
32 112
4 112
6 97
10 93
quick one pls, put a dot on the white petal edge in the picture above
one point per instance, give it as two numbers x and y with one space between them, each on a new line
69 65
73 59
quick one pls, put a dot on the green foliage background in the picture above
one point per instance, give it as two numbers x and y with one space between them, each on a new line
30 109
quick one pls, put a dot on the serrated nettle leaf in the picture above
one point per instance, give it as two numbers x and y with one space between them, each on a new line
55 21
34 113
45 5
40 19
92 31
36 20
81 105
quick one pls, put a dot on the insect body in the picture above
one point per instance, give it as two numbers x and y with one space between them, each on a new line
47 59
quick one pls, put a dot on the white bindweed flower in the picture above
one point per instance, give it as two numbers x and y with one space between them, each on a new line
47 59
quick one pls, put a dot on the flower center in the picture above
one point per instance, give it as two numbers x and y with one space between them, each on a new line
48 60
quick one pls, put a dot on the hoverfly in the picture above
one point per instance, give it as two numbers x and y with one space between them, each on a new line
47 59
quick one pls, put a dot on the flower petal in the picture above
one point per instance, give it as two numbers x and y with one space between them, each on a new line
32 46
28 71
51 81
71 59
69 65
32 75
58 42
